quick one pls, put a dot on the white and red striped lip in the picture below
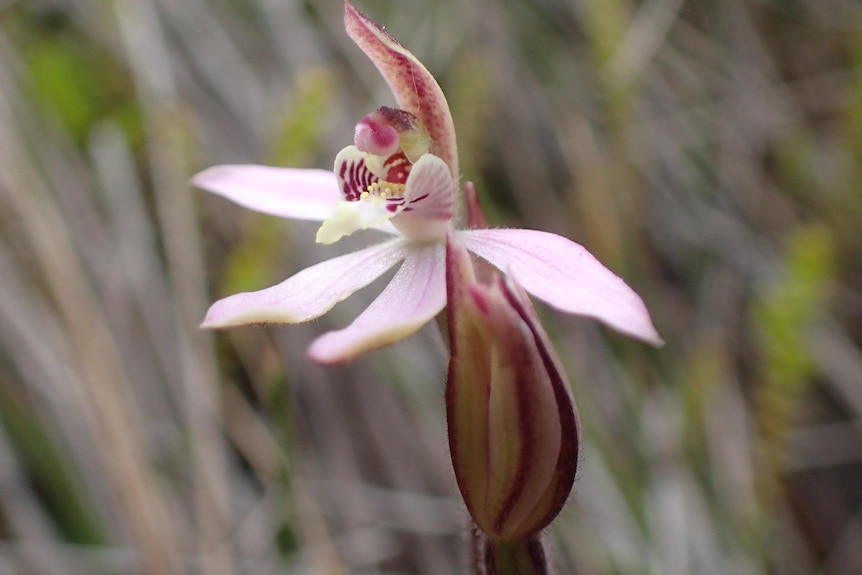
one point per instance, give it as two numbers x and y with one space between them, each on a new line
418 198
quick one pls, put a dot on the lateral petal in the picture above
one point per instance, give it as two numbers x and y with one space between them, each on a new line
285 192
564 275
414 296
309 293
429 200
430 192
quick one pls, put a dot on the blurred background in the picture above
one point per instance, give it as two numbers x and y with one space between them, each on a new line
709 152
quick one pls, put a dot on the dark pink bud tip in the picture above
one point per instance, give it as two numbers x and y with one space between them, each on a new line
475 217
479 295
375 137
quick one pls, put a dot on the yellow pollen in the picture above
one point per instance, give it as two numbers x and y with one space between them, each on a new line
382 189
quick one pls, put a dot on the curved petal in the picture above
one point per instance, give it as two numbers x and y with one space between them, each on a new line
430 192
415 295
309 293
286 192
351 217
414 87
429 201
566 276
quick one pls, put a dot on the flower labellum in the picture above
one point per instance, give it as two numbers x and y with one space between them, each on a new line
513 427
390 174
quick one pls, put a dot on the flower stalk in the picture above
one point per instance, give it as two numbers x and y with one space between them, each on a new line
522 557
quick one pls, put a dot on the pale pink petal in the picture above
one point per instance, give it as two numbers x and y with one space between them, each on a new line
428 201
414 296
430 191
414 87
286 192
564 275
309 293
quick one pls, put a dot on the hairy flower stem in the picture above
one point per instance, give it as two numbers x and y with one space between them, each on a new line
520 557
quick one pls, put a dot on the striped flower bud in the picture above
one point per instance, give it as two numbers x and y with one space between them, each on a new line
513 428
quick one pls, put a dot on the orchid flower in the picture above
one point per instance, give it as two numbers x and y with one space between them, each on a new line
401 177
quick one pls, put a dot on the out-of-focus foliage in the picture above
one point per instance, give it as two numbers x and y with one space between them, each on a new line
709 152
784 322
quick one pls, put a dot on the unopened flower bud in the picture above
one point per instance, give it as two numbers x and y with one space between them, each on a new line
513 428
